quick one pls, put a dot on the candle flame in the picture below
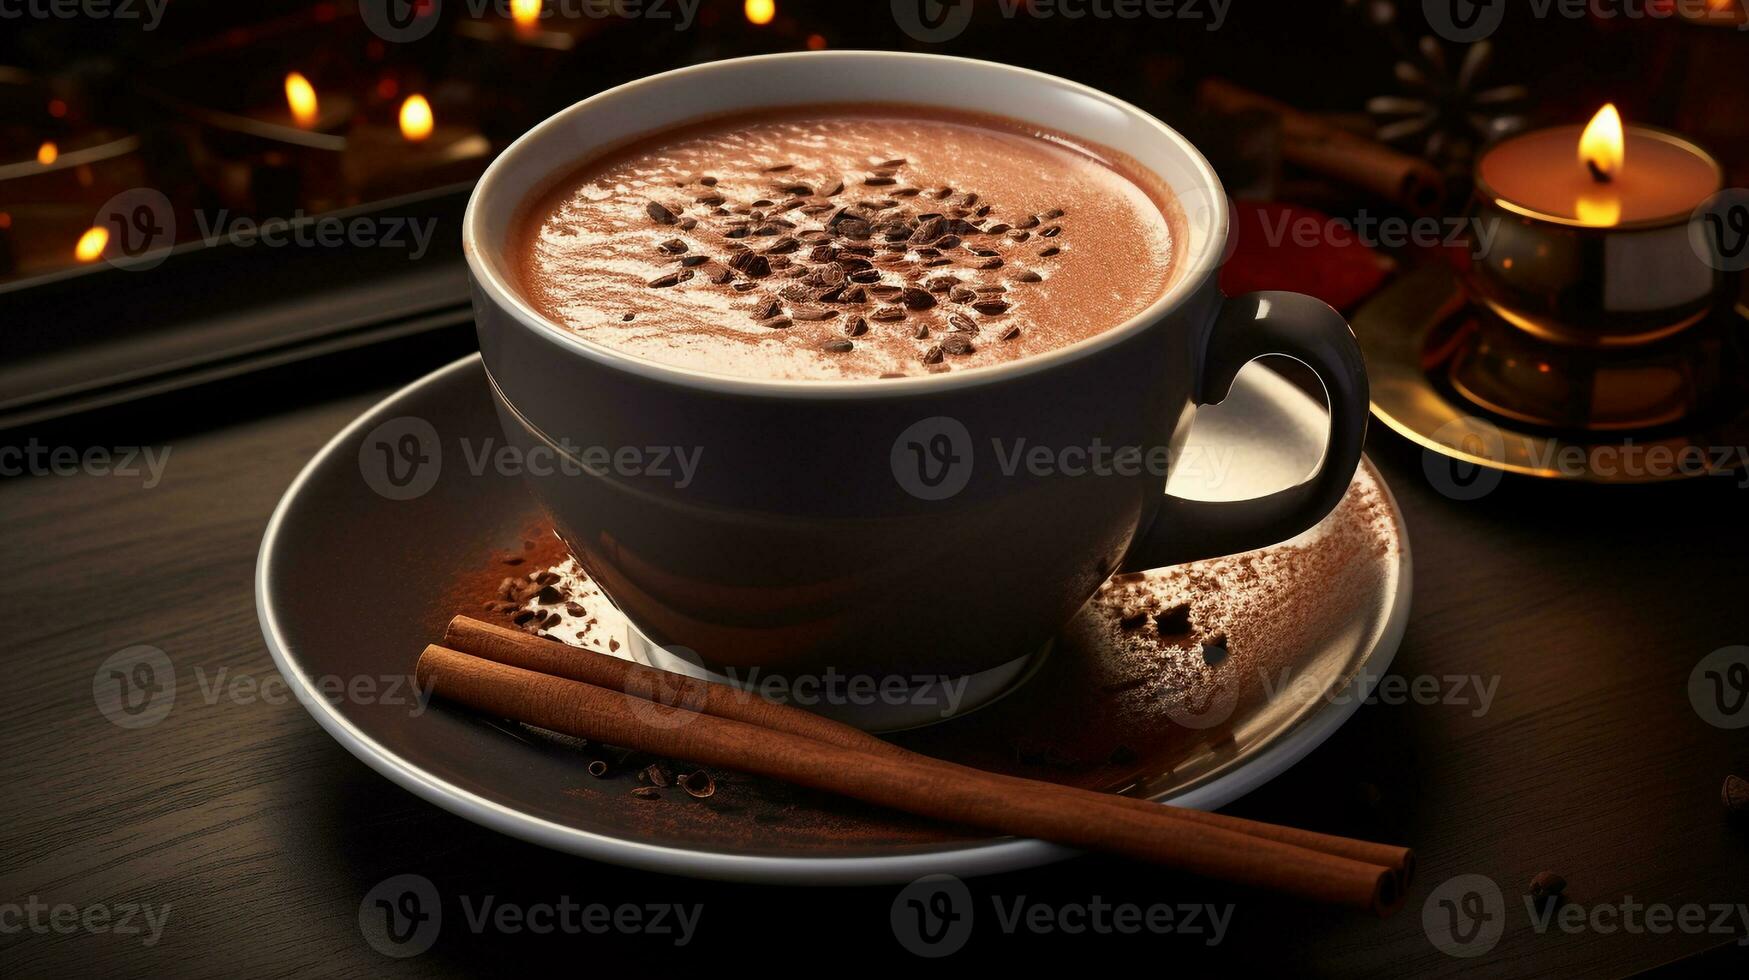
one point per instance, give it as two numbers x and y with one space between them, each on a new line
760 12
47 153
1602 146
300 96
526 13
91 244
416 121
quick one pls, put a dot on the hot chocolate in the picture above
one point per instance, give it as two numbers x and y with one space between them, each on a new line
847 242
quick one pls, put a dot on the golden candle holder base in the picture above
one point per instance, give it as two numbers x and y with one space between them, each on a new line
1481 392
1496 365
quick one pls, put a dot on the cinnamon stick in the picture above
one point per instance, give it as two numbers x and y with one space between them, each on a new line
520 649
971 799
1333 152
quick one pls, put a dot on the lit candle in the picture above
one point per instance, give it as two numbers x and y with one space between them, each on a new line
54 175
307 110
760 12
1600 175
420 152
526 14
1588 233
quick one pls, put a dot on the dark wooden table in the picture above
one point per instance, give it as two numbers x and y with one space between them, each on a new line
1588 607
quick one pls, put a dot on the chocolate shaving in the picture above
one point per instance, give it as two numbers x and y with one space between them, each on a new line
671 279
918 299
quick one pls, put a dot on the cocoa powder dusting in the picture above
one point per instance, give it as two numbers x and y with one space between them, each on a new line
1159 679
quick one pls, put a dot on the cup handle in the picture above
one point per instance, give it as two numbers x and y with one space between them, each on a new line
1248 327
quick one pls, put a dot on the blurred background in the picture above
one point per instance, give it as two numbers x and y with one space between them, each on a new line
147 147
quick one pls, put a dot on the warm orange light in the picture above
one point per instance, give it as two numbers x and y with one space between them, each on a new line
760 12
526 13
816 42
1601 146
1598 211
300 96
416 121
91 244
47 153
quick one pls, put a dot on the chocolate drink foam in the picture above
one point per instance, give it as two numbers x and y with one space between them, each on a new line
847 242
